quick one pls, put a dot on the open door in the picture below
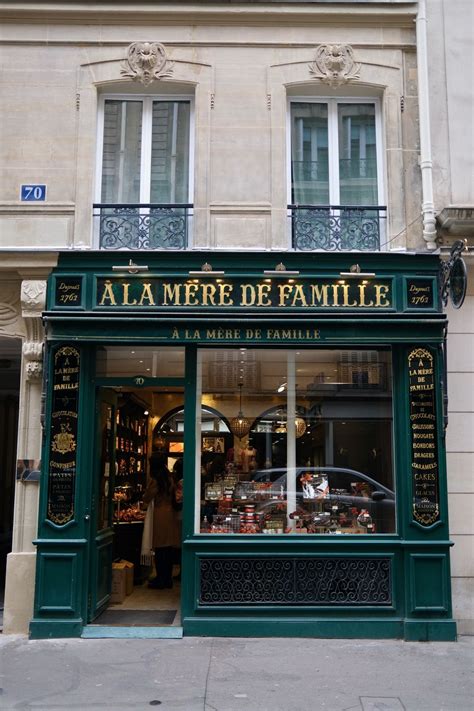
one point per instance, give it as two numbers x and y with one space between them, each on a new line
102 532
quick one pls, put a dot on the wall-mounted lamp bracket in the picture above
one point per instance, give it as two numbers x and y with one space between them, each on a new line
357 275
282 271
206 270
131 268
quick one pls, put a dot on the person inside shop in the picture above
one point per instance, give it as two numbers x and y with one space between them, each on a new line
166 529
178 505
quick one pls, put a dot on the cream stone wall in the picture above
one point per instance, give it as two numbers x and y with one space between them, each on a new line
451 61
241 73
460 456
21 305
450 27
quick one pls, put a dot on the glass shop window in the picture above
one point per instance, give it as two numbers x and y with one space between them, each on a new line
145 361
310 443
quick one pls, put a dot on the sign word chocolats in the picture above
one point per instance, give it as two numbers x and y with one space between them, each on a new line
424 455
304 294
63 436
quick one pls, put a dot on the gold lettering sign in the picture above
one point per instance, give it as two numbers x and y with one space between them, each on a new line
245 334
63 435
424 455
158 292
68 291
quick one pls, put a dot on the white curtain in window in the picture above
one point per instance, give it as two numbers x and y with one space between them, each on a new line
121 156
357 154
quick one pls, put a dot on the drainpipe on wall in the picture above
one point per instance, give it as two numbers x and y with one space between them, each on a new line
426 164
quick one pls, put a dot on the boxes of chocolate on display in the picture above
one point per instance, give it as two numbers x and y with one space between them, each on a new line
276 523
225 523
230 480
263 490
228 486
250 519
213 491
244 491
225 506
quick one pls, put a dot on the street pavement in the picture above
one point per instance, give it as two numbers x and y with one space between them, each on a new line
223 674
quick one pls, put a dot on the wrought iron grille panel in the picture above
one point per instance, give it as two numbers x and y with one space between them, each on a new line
336 228
142 226
295 581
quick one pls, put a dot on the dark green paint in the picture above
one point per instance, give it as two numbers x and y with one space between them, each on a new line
421 607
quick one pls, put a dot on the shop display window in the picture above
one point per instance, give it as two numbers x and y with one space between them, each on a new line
309 448
146 361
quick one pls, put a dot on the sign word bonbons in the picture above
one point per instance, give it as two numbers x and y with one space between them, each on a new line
423 427
63 436
305 294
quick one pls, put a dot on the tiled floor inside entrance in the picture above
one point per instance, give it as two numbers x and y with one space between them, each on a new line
145 607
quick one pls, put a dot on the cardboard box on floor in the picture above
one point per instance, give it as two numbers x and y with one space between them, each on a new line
129 571
119 582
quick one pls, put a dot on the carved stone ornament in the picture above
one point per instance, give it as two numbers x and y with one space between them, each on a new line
334 64
33 295
145 62
32 350
8 314
34 370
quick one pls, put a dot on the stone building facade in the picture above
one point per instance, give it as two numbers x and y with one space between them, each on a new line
239 65
451 93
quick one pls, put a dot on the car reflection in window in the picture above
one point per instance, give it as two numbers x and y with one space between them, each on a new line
330 500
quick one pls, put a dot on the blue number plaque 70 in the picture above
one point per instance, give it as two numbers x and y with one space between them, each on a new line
33 193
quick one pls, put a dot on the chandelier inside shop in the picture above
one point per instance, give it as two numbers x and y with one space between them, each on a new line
240 425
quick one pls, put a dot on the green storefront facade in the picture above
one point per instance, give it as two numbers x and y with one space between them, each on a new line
389 583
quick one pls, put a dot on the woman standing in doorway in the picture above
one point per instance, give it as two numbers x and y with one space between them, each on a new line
166 536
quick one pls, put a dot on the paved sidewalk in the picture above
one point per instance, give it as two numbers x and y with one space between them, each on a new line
205 674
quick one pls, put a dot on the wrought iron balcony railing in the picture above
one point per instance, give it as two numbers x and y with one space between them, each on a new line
335 228
154 226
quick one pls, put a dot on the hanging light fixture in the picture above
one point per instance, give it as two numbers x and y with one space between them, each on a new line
280 426
240 425
300 427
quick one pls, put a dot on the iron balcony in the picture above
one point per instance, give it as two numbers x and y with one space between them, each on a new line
337 228
140 226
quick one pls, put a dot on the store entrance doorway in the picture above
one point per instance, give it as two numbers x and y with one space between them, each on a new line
138 476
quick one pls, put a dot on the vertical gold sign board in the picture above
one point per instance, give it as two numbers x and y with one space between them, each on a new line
423 427
63 436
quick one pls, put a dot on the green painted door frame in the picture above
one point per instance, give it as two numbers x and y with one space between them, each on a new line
101 538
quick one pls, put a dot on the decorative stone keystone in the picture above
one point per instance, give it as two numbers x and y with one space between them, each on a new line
334 64
145 62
